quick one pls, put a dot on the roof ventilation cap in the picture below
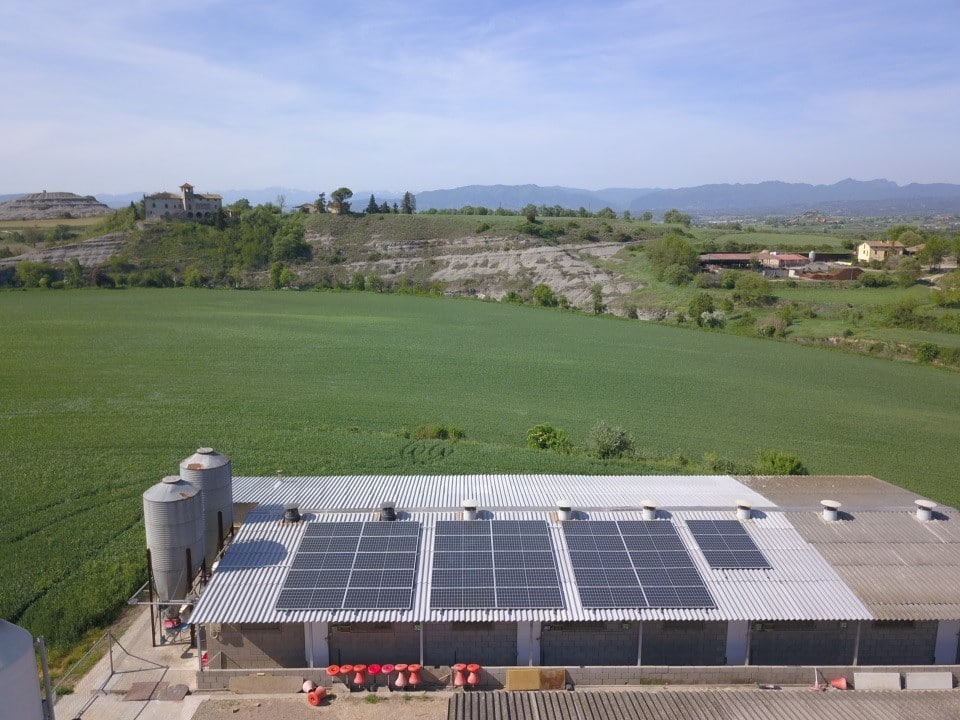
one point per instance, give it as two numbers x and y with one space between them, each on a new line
388 510
469 509
291 513
743 509
924 510
564 509
649 510
831 509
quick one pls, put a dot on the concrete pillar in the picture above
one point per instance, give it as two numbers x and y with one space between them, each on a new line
528 643
738 642
948 632
316 644
640 643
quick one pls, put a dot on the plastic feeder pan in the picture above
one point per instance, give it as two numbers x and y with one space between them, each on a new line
387 668
333 670
373 669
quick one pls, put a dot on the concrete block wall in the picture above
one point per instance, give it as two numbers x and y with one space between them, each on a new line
367 643
485 643
255 645
686 643
493 678
602 643
802 643
896 643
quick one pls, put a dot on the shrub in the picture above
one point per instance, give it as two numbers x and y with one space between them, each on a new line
700 304
725 466
752 289
676 275
610 441
774 462
546 437
438 432
927 352
544 295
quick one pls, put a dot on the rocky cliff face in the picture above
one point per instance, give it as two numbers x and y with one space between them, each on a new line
51 206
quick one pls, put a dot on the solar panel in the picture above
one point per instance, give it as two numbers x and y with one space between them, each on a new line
494 564
362 565
727 545
633 564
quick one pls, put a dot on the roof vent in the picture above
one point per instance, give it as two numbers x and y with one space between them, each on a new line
831 509
388 510
564 509
469 509
924 510
649 510
291 513
743 509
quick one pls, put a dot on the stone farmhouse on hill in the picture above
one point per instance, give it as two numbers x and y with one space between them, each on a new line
878 251
185 206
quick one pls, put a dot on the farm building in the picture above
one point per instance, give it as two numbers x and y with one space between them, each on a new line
578 571
185 206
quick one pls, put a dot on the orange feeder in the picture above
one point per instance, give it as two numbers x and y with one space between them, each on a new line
313 698
359 670
414 679
401 681
458 679
387 669
473 678
333 670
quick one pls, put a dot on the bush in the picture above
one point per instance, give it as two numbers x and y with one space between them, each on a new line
774 462
752 289
544 295
725 466
610 441
927 352
676 275
700 304
546 437
438 432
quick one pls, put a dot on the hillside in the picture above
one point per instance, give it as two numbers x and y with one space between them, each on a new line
52 206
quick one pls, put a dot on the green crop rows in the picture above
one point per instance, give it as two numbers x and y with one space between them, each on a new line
103 393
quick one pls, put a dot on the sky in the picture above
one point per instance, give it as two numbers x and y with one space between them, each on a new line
137 95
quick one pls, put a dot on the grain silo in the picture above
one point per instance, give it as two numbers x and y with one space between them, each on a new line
19 686
173 517
211 473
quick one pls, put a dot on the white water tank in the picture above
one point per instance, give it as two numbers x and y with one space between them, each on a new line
19 686
211 473
174 523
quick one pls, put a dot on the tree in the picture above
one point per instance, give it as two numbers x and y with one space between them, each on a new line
700 304
74 273
773 462
409 203
596 294
372 207
342 196
281 202
626 215
647 216
907 271
31 274
947 293
395 209
934 251
673 250
529 212
546 437
544 295
321 203
752 289
385 207
675 216
610 441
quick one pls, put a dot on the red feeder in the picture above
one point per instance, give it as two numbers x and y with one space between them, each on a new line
359 670
401 681
345 670
458 679
373 669
313 698
414 679
472 677
387 669
333 670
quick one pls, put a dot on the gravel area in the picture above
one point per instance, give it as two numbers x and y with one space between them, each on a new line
356 706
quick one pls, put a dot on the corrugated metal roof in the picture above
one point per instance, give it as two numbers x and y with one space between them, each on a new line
802 586
703 704
855 492
514 492
901 568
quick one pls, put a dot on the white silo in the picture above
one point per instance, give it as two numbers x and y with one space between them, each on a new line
211 473
173 517
19 685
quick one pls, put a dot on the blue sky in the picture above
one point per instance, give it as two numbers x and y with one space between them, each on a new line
387 95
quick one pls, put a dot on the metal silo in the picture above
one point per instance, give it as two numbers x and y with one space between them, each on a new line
19 686
173 517
211 473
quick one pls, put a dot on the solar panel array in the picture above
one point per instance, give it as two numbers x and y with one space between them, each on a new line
494 564
725 545
353 565
633 564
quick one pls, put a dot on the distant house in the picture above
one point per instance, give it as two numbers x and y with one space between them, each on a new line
185 206
878 251
308 208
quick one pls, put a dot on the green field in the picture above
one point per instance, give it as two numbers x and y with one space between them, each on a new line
104 392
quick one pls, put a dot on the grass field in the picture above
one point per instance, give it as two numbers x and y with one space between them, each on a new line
104 392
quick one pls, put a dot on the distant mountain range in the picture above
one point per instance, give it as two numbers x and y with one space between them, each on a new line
847 197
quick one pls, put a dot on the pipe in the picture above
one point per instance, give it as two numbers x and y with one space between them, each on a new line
649 510
743 510
924 510
831 510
